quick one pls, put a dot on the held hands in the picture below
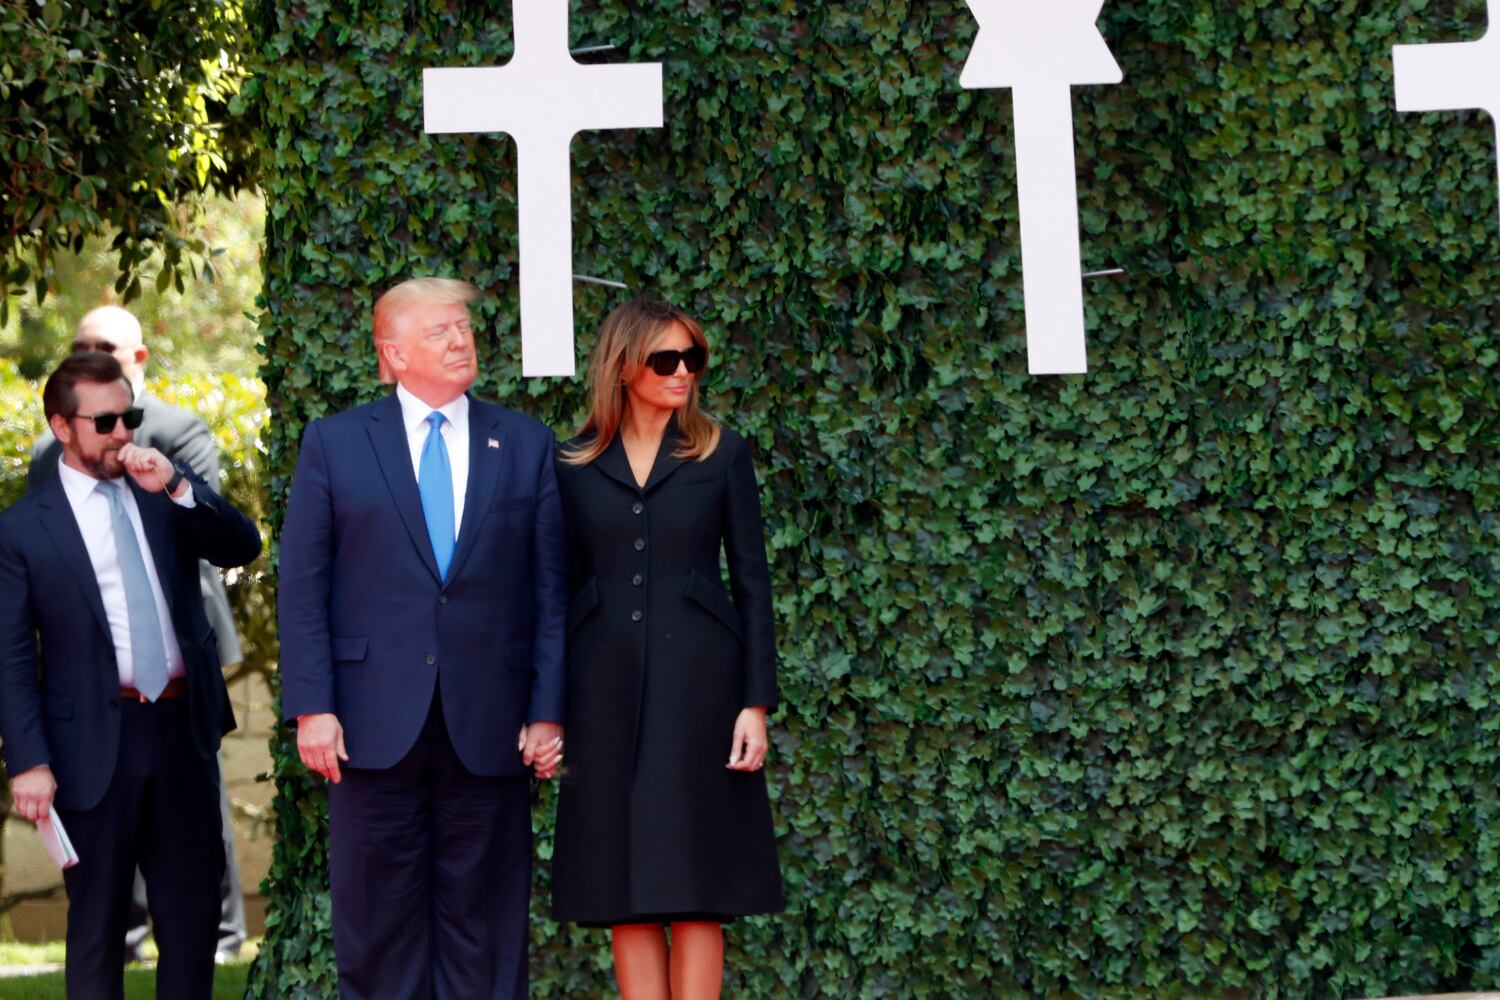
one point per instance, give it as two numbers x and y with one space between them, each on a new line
149 468
320 744
32 792
748 751
541 746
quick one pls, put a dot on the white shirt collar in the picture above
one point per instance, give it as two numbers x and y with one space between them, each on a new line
414 412
78 485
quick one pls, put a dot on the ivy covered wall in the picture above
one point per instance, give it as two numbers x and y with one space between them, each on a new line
1176 677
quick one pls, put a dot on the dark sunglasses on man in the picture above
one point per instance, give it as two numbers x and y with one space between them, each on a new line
104 423
665 362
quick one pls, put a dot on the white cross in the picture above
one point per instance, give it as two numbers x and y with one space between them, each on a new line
541 99
1450 76
1041 49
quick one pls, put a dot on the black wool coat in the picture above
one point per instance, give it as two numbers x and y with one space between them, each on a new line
661 660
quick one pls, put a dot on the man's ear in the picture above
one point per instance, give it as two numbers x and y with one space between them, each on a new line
392 361
61 429
141 354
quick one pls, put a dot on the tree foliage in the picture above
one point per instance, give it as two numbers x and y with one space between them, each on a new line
1175 678
207 328
114 116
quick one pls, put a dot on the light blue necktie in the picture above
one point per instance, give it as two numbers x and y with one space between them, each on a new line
435 483
148 651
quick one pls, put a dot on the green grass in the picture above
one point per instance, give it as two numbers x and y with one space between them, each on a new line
140 984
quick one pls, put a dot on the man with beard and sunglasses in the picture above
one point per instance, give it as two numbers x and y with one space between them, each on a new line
183 437
112 704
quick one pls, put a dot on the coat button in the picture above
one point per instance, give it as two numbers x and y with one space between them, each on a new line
636 616
640 544
442 598
431 659
637 507
637 579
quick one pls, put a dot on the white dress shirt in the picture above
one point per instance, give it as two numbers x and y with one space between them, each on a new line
91 511
455 433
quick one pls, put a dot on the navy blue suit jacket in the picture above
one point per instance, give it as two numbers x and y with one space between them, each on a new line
369 630
61 706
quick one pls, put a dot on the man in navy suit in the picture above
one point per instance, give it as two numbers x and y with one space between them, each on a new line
116 720
185 439
422 609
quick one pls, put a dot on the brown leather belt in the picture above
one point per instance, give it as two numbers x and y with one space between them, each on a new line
176 688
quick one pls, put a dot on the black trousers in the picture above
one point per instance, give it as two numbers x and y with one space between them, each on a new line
161 813
430 871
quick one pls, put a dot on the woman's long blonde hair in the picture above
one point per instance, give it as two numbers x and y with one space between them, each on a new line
625 338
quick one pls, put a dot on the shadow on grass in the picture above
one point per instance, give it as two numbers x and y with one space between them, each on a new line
140 984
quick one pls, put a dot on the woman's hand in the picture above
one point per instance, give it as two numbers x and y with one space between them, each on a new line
748 751
541 746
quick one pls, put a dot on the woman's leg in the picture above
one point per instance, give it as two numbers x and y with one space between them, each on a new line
697 961
640 961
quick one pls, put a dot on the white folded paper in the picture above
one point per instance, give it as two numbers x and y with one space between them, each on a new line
55 840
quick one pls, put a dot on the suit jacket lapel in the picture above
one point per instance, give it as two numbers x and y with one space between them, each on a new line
484 478
62 527
388 436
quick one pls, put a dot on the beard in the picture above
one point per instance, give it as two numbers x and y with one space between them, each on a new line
104 464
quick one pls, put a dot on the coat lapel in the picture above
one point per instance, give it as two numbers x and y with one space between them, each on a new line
614 464
484 478
667 461
388 436
61 526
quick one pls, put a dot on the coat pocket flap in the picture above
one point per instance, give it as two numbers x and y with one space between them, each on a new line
583 603
347 648
713 600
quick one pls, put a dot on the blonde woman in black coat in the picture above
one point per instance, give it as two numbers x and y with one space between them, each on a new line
663 823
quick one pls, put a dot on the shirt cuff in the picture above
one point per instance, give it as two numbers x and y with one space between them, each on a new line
187 500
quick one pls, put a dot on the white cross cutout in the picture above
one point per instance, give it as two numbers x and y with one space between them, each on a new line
1451 76
1041 49
541 99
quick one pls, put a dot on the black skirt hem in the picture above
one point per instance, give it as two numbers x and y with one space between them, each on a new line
664 918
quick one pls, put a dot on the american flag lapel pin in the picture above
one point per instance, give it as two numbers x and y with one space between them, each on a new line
492 443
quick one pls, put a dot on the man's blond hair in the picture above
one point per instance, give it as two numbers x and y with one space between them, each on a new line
390 306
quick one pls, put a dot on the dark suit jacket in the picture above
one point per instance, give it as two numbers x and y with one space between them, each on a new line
367 627
61 705
183 437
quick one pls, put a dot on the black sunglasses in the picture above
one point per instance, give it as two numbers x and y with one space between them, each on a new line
665 362
104 423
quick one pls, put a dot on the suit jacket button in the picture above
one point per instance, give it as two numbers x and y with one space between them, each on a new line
636 616
442 598
640 543
637 507
431 659
637 579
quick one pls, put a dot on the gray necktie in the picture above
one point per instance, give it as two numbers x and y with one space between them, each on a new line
147 649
